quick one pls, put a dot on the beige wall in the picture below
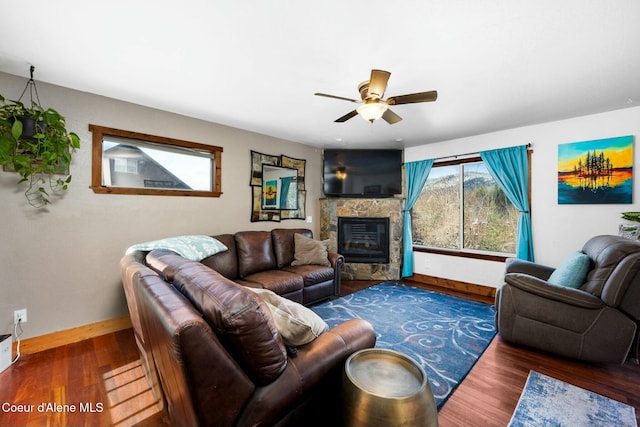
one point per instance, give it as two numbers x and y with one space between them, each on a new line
62 263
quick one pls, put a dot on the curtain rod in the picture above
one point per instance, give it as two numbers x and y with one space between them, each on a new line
455 156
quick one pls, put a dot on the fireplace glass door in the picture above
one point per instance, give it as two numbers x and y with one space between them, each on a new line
364 240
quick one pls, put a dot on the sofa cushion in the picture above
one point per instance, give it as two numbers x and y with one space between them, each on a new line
312 274
309 251
284 244
297 324
279 281
255 252
239 318
572 272
225 263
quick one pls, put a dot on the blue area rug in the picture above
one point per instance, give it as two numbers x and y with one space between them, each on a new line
546 401
444 334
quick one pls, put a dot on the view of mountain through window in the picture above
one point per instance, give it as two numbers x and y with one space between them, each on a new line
462 208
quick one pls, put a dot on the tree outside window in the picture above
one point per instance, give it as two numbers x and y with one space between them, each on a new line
461 208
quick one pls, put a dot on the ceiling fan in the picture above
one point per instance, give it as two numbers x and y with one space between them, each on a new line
374 106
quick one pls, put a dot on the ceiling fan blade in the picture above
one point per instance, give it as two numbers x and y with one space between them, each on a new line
378 83
346 117
391 117
413 98
336 97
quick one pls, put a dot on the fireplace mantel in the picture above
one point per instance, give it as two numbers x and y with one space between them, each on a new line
333 208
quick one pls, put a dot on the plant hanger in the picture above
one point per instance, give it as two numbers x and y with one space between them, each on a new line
31 85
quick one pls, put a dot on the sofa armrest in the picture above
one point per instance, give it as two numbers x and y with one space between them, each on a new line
332 348
536 286
317 368
337 261
515 265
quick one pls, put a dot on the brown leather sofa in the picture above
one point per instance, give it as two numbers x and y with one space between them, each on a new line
595 322
263 259
213 354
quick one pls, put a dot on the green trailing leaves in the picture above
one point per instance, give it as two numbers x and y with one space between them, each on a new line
35 143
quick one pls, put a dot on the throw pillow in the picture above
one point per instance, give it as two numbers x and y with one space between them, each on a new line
309 251
572 272
296 324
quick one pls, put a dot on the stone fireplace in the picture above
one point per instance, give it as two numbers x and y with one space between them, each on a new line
371 211
364 240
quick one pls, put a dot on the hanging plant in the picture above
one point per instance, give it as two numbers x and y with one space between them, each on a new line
35 143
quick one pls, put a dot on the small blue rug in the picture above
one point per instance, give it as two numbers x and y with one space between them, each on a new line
446 335
546 401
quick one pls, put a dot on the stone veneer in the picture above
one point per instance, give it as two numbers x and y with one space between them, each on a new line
332 208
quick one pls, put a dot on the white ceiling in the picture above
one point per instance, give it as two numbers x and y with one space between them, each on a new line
255 65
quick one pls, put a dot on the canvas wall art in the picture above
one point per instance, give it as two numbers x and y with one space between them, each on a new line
598 171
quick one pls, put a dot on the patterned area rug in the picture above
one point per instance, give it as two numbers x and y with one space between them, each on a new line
444 334
546 401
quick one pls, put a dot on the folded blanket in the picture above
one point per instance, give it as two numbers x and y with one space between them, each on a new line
194 248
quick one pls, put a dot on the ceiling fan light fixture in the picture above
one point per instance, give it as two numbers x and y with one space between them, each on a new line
372 111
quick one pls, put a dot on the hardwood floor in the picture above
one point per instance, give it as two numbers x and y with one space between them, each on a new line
490 392
95 382
101 383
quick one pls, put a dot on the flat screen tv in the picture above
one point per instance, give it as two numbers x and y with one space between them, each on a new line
362 173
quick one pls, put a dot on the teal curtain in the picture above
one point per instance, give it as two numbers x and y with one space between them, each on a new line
509 167
285 183
416 175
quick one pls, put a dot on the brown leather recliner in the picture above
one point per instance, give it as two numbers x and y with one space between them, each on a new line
596 322
215 357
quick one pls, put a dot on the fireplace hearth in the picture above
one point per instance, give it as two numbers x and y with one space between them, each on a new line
364 240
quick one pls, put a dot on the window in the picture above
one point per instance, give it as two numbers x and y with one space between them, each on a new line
121 164
134 163
461 208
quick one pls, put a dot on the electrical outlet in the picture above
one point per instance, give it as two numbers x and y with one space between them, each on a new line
20 316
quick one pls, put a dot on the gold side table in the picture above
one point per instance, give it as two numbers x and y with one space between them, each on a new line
385 388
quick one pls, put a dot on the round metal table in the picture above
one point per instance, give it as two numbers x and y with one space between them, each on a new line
386 388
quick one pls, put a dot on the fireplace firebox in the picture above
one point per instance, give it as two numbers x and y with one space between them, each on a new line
364 240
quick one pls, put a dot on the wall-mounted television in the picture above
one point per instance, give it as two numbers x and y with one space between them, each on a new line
362 173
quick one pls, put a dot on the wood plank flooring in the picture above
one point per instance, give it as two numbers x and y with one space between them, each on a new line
95 382
101 383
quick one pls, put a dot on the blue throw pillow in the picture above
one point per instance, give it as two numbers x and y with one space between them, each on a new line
572 272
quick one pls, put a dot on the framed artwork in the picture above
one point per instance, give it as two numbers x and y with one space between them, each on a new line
596 172
270 195
299 164
296 213
259 214
264 194
257 160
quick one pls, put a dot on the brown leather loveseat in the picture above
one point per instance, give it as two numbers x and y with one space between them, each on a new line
212 351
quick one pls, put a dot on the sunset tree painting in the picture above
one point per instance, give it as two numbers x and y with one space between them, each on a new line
599 171
269 194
